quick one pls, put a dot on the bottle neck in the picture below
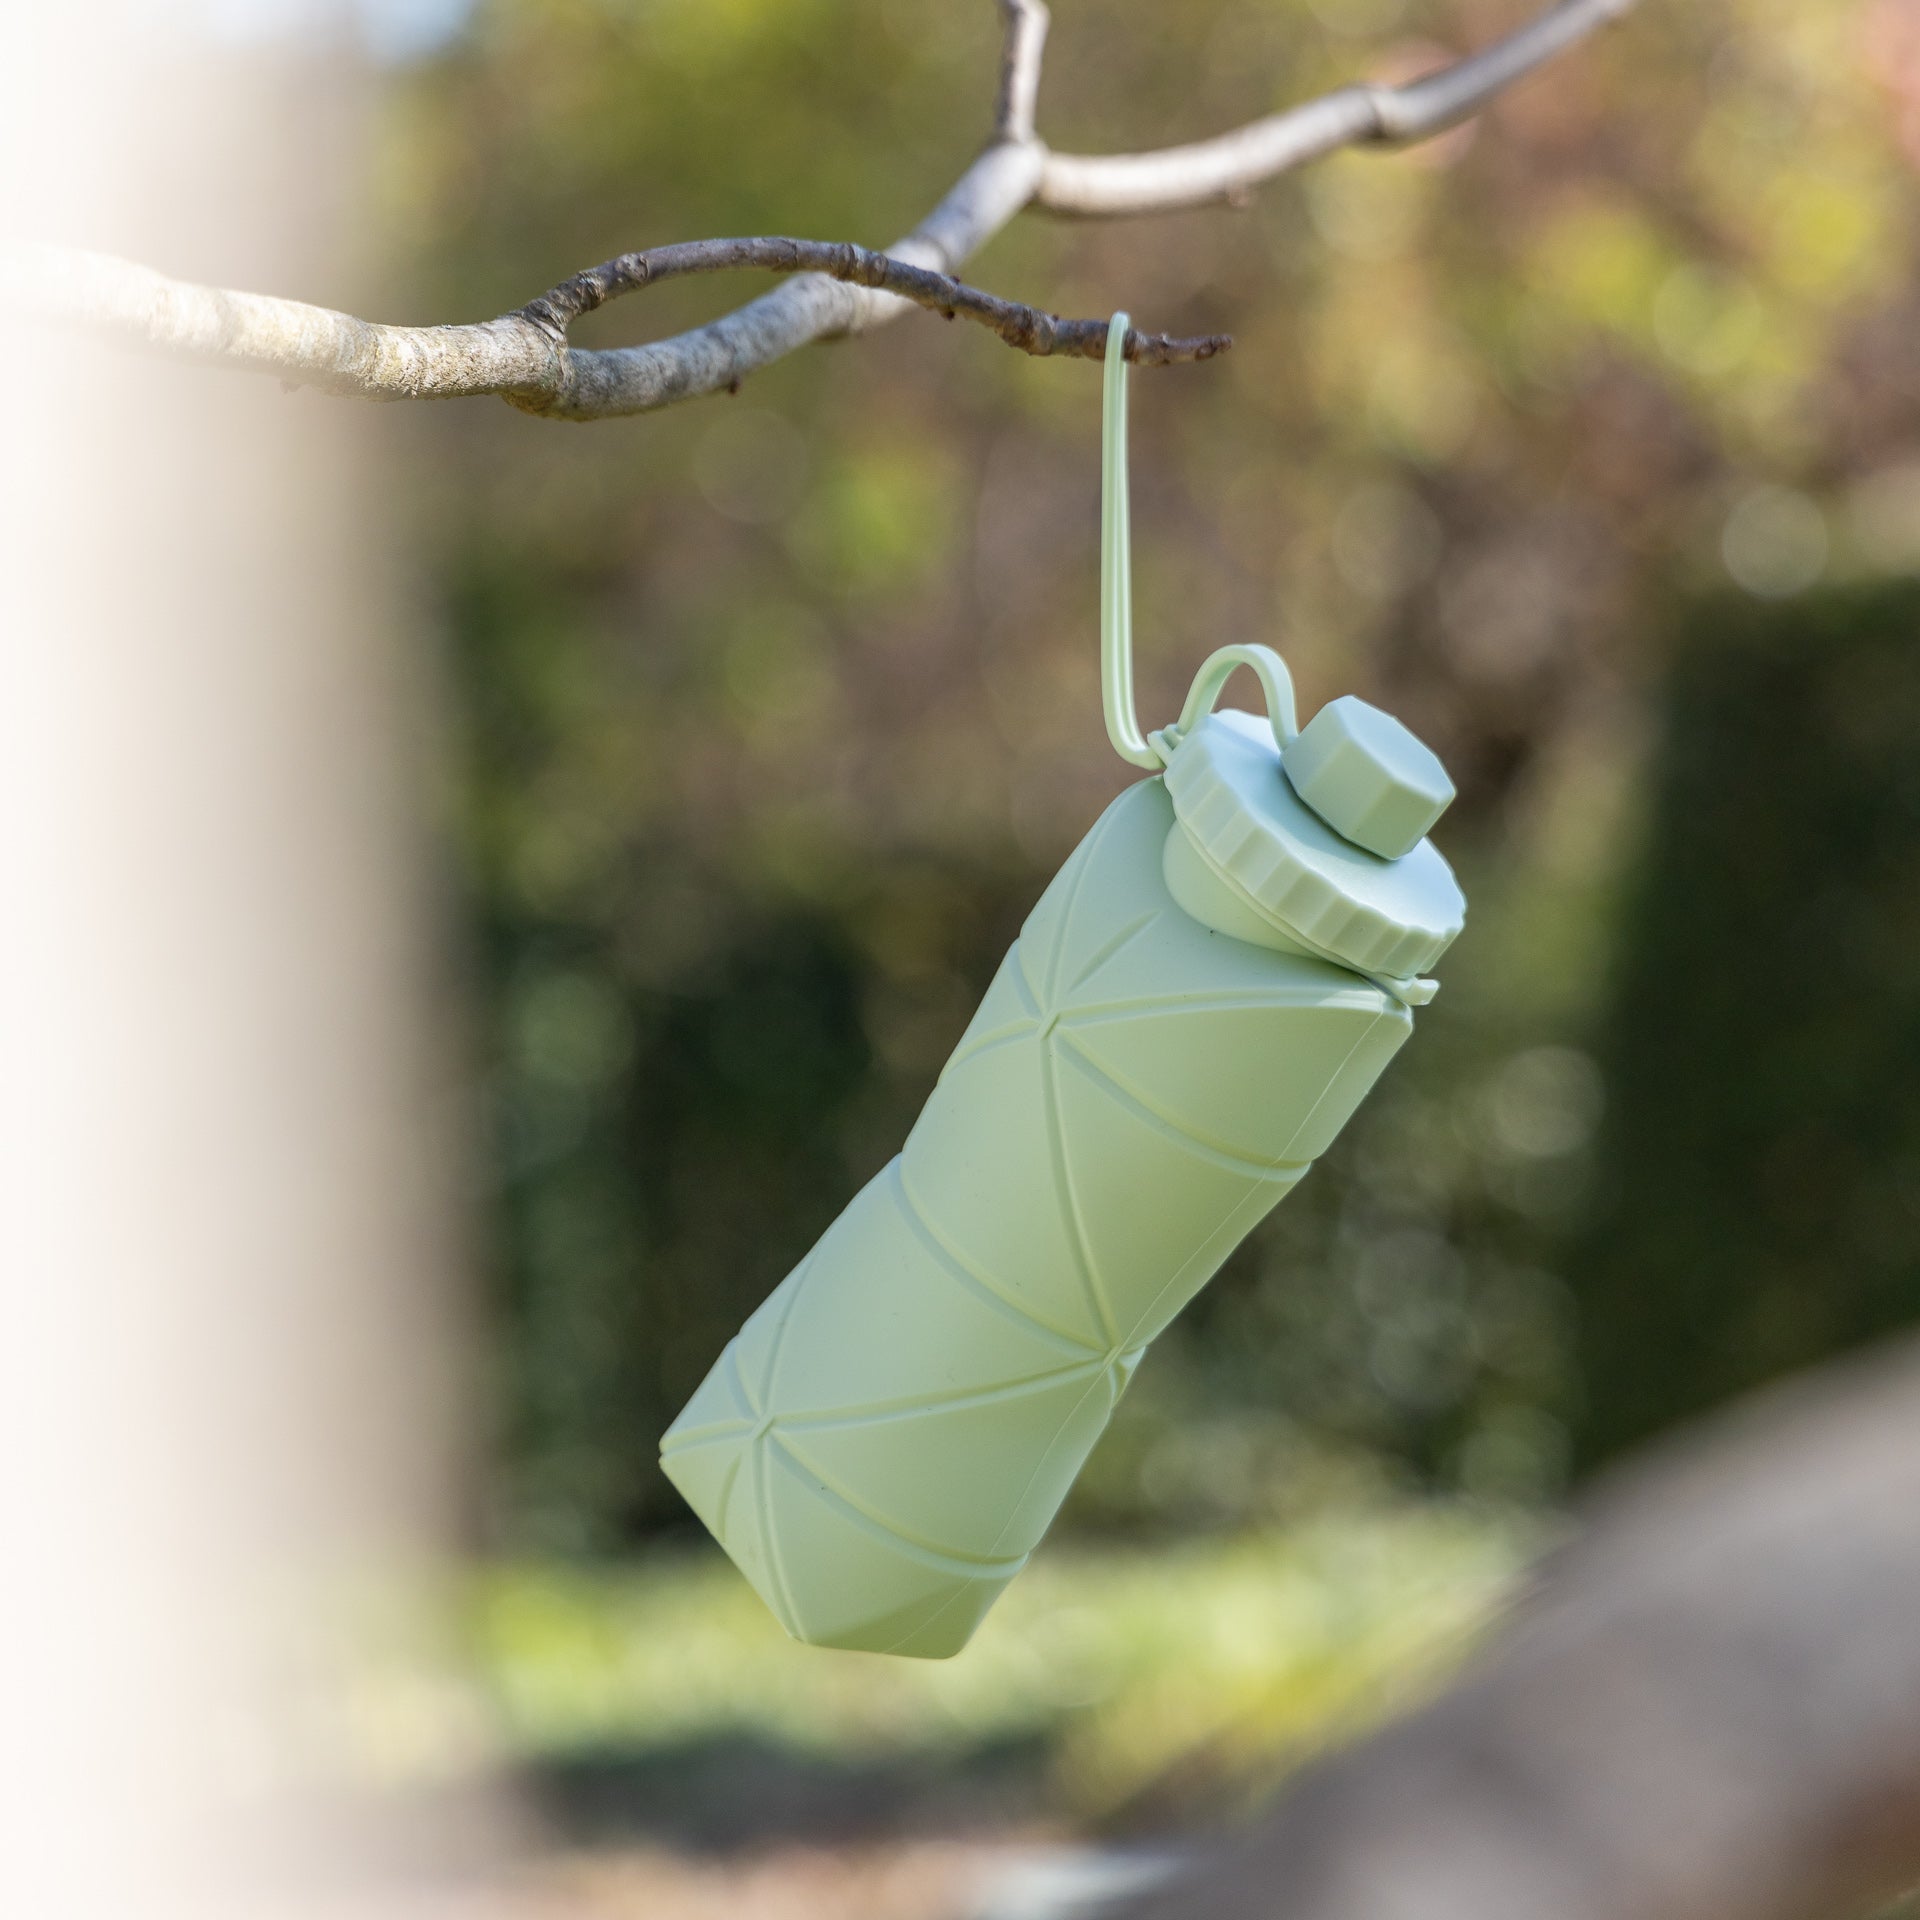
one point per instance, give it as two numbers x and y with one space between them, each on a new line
1202 895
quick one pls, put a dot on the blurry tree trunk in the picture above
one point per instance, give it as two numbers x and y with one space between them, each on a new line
1710 1710
228 1402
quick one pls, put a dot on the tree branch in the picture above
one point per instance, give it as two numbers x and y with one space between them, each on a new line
1130 183
835 287
1027 328
1710 1710
1026 41
524 355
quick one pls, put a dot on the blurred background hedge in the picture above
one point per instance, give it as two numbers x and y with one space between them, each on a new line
1758 1206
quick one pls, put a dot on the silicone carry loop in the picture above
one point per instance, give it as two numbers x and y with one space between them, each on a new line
1116 606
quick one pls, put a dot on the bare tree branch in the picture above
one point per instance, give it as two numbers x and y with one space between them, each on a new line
835 288
1020 69
1709 1711
1191 176
524 355
1027 328
813 306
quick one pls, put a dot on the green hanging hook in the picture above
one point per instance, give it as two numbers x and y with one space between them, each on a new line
1116 561
1116 604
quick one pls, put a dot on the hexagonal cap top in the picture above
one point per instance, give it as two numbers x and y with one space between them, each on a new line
1368 778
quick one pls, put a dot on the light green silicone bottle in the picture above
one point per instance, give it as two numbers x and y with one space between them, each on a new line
1192 1011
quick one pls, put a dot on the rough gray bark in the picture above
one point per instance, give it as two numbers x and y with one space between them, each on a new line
1709 1710
836 288
524 357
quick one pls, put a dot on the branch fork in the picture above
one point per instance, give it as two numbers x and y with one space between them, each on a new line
830 288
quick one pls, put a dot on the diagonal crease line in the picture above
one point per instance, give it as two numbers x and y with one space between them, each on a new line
1057 959
755 1401
926 1625
963 1566
786 1320
1082 1250
1021 984
1201 1146
1029 988
1226 1000
714 1431
781 1597
1046 1453
1032 983
682 1438
1124 938
1240 1205
728 1482
1333 1079
965 1273
1014 968
878 1412
1253 1202
987 1042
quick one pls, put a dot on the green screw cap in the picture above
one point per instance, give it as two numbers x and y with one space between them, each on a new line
1368 778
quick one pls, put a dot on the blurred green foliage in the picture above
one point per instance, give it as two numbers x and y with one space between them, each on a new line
1758 1203
772 714
1205 1668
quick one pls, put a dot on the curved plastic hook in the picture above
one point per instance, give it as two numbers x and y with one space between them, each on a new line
1210 682
1116 561
1116 605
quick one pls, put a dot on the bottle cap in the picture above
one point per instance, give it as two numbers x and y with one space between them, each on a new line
1392 917
1367 777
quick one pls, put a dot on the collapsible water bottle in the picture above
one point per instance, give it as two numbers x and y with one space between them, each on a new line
1193 1010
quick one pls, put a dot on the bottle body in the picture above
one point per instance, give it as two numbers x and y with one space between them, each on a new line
888 1437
